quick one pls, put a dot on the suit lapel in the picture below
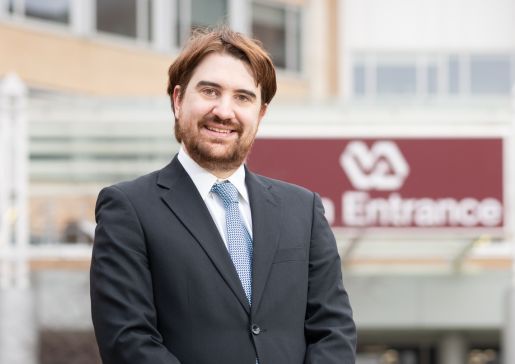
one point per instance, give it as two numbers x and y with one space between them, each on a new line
183 198
266 216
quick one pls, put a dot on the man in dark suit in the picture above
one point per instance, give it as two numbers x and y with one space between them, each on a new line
204 262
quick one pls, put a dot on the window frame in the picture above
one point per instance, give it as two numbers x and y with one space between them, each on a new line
237 14
144 20
492 57
393 63
19 15
156 28
294 40
370 61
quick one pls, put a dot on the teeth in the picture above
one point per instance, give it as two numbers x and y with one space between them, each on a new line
219 130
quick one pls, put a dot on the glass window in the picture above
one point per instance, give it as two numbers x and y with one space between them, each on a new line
279 27
178 23
426 75
490 74
432 80
359 80
129 18
52 10
117 17
294 62
149 17
269 26
394 79
192 14
454 74
205 13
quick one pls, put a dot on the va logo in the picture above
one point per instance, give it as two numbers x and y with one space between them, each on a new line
382 167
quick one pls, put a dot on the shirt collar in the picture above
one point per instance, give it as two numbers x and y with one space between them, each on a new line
204 179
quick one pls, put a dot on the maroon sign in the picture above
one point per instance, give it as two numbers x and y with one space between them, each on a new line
393 183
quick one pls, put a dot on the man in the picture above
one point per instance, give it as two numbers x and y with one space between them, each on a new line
204 262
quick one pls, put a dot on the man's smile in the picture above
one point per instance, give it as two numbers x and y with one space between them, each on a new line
218 130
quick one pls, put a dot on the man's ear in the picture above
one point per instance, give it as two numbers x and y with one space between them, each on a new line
176 97
262 111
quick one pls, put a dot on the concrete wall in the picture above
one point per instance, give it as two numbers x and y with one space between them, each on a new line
61 62
61 298
446 302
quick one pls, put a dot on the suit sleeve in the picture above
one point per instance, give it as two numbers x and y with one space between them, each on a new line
122 305
329 327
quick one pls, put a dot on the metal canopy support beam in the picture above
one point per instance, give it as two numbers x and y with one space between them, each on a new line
346 254
457 262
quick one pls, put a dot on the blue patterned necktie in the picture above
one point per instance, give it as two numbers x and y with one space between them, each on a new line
239 241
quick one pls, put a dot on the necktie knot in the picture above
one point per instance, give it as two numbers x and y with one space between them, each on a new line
227 192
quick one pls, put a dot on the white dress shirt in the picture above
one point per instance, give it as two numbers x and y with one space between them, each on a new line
204 180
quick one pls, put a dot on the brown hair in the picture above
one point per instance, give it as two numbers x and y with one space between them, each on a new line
223 40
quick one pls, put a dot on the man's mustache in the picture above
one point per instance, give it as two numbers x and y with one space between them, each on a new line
225 122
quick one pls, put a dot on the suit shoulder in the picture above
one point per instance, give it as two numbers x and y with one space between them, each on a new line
136 185
286 187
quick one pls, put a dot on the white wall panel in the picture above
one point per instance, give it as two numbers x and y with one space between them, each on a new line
423 24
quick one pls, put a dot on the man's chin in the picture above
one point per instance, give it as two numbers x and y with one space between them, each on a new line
216 158
220 158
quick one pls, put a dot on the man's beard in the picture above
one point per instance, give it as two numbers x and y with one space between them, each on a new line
201 151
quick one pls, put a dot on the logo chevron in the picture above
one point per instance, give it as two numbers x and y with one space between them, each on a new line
381 167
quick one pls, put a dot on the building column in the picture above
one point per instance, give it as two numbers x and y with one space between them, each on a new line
316 42
452 349
82 17
163 16
18 333
239 16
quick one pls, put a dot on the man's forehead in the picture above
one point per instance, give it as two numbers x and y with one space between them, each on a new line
225 70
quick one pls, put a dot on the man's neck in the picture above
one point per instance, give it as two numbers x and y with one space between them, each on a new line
223 174
218 173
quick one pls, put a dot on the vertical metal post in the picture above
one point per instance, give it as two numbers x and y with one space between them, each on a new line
509 323
18 329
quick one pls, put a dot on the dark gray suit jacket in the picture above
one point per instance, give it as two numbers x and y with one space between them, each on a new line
164 289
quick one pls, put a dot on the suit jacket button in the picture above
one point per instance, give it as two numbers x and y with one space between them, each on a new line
256 330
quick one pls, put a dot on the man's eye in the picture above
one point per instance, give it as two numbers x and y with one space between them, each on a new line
243 98
209 92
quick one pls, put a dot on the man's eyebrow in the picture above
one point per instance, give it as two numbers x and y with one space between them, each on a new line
249 93
216 85
208 83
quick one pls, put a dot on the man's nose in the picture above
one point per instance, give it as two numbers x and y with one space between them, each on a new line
224 108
